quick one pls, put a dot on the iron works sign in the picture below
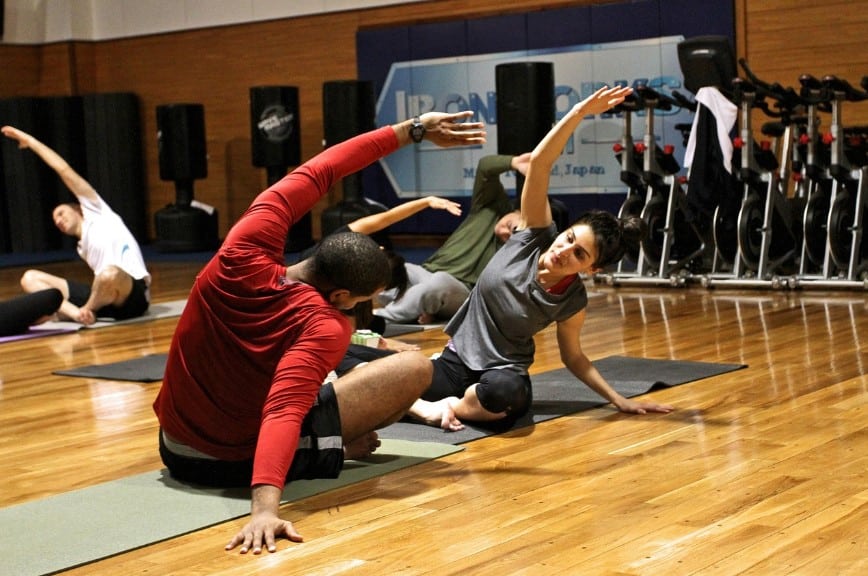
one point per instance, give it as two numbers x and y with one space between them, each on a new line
587 164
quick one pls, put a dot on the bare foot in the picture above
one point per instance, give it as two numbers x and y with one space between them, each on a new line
440 413
425 318
361 448
86 316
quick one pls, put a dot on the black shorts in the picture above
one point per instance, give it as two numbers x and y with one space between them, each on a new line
320 452
359 354
499 390
134 306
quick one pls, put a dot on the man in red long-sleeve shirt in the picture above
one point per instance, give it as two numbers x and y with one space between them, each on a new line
243 400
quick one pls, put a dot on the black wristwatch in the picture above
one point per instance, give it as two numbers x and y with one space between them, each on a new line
417 130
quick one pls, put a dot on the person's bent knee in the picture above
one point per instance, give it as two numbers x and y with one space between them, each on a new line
112 276
503 391
30 280
419 368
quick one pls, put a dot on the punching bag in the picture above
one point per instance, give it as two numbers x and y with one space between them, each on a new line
275 138
182 154
525 114
348 110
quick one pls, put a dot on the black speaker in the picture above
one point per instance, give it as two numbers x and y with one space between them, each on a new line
348 109
181 142
275 136
274 126
525 105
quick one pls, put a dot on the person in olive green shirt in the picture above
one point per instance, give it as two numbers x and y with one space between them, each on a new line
438 286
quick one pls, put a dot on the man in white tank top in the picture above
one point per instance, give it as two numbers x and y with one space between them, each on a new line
120 287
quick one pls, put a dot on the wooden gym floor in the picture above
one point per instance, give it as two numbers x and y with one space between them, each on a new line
760 471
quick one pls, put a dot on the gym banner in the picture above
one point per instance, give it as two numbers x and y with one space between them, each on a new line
587 165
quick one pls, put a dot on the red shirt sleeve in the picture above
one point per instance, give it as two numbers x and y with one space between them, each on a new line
268 220
294 388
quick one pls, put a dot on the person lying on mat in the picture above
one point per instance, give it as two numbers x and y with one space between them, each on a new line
19 313
243 401
121 281
437 287
362 314
534 280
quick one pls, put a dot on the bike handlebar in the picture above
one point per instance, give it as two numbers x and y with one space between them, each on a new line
840 86
787 99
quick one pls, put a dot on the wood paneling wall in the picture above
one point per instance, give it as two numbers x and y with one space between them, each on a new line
216 67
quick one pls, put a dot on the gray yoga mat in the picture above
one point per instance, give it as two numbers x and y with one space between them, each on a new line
393 330
148 368
558 392
151 368
169 309
86 525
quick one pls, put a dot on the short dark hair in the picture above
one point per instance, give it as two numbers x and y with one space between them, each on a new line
612 235
350 261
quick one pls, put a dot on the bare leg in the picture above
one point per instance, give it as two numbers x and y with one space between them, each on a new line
111 286
36 280
380 392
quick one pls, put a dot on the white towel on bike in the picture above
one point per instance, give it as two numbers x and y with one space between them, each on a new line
725 114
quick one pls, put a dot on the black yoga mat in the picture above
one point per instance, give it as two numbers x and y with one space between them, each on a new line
148 368
558 392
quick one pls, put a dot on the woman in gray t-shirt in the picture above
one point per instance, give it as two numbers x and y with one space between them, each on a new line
534 280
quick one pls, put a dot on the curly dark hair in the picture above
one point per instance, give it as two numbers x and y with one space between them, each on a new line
612 235
350 261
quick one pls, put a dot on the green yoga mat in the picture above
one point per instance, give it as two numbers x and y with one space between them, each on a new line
86 525
558 392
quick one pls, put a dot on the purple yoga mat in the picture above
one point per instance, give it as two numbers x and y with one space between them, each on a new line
36 333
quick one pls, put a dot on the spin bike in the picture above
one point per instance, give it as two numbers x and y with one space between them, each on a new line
630 160
656 195
812 179
767 233
845 259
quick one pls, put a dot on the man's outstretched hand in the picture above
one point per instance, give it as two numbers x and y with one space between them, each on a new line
447 130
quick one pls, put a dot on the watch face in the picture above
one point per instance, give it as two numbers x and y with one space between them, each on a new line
417 132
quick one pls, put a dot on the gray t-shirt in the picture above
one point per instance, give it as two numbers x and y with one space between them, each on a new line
495 326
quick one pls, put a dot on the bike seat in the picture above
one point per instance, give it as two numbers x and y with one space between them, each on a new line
741 87
810 82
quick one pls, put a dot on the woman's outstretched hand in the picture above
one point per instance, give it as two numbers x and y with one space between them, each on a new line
603 99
